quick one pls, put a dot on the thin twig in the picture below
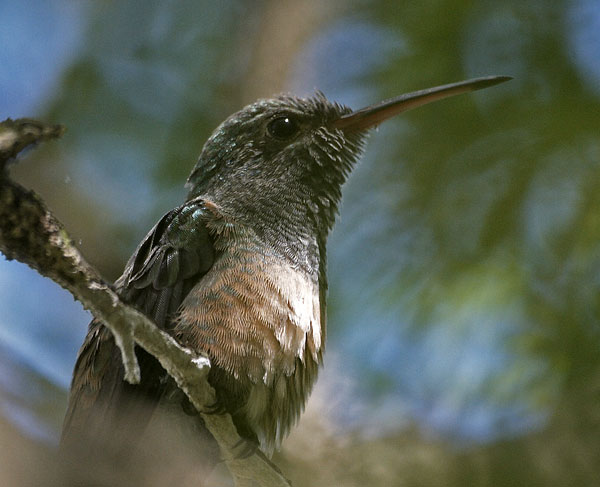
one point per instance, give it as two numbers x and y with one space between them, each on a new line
31 234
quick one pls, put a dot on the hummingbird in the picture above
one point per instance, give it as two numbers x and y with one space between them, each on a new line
238 273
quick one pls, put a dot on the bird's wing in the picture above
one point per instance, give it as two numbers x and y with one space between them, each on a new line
174 255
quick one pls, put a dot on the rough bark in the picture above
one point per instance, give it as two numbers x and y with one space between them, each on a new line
30 234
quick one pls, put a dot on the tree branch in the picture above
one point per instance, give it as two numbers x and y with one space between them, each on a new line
30 234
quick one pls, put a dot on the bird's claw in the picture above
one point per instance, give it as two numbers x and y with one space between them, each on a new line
245 449
215 408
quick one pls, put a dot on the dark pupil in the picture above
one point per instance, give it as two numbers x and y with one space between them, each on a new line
283 128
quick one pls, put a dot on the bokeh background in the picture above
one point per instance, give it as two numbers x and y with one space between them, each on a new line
464 317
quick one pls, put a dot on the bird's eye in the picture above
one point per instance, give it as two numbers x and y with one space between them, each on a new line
282 128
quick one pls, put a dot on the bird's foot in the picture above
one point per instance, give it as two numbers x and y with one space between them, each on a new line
216 408
188 408
244 449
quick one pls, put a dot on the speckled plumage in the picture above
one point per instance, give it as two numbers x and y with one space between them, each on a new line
261 322
237 272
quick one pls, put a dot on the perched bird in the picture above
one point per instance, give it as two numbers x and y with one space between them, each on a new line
237 272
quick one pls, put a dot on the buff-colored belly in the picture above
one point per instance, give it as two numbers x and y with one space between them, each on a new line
259 319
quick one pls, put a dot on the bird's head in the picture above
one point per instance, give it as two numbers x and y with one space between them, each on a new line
284 160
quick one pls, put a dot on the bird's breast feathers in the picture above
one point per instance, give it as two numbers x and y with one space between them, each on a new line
258 318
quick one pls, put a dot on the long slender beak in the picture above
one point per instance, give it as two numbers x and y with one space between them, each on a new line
375 114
